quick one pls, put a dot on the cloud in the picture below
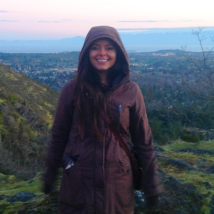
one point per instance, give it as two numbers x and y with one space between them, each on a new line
140 21
130 30
49 21
4 11
150 21
68 20
7 21
162 30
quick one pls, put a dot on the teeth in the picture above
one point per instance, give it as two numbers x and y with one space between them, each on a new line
102 60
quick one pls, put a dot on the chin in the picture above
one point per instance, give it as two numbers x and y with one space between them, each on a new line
102 69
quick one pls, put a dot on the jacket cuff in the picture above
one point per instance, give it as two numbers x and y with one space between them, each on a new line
153 190
154 200
49 177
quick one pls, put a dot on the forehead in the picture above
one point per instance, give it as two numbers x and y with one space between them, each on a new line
103 42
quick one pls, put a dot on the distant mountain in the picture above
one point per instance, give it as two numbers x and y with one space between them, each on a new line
42 46
151 41
168 40
26 115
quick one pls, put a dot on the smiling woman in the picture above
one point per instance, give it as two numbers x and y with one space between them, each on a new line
97 176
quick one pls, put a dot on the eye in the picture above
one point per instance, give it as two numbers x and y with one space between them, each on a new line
94 48
110 48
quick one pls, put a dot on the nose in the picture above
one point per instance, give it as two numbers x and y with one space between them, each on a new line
102 51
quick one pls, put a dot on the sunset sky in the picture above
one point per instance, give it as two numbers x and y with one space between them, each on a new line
58 19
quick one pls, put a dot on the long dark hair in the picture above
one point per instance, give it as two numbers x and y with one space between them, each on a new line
90 99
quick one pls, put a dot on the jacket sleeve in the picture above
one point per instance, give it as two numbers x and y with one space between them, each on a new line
59 135
142 139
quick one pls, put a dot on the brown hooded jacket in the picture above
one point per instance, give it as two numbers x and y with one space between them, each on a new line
100 182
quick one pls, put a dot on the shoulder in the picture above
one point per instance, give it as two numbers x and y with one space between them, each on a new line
68 87
69 84
132 87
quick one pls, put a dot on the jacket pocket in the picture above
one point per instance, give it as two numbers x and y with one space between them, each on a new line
124 190
71 186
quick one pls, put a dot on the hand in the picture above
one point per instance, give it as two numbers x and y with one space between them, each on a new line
154 201
47 189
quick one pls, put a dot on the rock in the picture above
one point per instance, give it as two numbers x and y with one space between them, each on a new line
205 195
159 149
210 169
31 181
170 202
209 135
197 151
207 185
193 209
22 196
181 212
211 204
181 201
31 212
191 134
139 199
181 164
49 205
10 121
172 183
22 211
2 106
18 105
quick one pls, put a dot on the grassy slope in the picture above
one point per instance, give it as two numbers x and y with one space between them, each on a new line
26 115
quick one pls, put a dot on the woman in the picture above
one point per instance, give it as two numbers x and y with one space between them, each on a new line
100 181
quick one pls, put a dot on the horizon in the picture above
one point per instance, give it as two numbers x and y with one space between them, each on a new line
146 40
136 31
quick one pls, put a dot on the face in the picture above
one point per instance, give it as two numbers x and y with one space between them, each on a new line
102 54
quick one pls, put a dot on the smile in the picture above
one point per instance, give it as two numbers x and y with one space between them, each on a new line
102 60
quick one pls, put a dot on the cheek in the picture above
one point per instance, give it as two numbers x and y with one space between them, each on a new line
115 57
91 56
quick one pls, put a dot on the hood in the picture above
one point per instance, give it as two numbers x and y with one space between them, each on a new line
101 32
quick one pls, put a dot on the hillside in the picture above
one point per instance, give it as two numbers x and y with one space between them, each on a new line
26 115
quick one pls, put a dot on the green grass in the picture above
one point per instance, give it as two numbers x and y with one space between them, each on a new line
10 188
190 157
195 177
2 100
177 145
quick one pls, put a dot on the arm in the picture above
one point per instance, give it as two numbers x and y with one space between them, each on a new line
59 135
142 139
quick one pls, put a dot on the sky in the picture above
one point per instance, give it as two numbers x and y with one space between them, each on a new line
58 19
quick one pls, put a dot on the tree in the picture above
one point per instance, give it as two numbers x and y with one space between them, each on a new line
199 81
